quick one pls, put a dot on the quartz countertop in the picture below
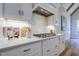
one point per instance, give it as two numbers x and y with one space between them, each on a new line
5 43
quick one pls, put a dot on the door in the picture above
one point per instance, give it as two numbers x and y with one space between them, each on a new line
26 11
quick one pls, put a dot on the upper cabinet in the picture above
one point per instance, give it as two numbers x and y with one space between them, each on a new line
1 9
11 10
26 9
21 11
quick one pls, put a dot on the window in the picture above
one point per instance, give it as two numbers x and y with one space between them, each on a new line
77 25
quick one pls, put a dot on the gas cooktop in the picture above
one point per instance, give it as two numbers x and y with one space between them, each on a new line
44 35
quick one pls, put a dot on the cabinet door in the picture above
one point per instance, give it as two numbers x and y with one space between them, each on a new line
62 43
1 9
26 11
56 45
11 10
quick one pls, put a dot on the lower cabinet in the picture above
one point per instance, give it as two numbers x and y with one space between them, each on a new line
49 47
25 50
62 43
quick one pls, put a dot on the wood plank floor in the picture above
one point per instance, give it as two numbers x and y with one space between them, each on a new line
72 48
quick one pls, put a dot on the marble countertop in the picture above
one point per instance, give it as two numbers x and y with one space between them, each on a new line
5 43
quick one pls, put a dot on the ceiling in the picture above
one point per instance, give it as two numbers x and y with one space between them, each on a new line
71 7
66 5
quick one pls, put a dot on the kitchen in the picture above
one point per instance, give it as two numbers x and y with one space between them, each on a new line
32 29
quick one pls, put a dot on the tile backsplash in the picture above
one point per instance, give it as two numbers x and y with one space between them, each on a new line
38 24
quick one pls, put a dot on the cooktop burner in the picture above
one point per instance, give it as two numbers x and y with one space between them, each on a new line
44 35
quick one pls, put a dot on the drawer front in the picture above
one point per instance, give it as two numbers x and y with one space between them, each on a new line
23 50
32 48
48 52
51 46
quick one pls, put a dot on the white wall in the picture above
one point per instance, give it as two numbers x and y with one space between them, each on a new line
68 27
62 12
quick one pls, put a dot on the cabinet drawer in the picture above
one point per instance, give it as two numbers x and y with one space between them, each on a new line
49 47
32 48
48 52
23 50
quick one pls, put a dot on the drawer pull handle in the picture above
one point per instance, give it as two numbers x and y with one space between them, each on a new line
62 41
48 50
56 54
19 12
27 50
56 46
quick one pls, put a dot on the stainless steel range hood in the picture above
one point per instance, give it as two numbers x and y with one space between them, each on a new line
41 11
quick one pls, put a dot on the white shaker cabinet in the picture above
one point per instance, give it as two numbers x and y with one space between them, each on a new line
50 47
26 11
53 46
11 10
32 49
1 10
62 43
20 11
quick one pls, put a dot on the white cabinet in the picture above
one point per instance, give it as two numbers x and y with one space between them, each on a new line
50 46
11 10
56 45
62 43
25 50
1 9
26 11
21 11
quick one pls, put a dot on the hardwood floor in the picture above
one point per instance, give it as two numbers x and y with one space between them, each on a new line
72 48
75 46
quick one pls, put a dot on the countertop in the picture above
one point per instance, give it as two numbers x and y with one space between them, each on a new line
5 43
